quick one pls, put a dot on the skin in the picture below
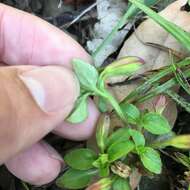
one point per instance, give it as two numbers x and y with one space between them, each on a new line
38 91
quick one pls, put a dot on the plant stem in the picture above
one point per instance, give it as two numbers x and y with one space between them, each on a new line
105 94
129 13
132 10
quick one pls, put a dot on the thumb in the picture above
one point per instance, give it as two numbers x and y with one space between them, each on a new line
33 100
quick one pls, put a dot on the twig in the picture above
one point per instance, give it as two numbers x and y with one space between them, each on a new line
66 26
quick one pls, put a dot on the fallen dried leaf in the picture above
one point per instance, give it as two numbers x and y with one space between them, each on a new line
154 58
108 13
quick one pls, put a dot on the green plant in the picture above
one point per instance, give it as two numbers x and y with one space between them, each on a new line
114 147
130 13
111 165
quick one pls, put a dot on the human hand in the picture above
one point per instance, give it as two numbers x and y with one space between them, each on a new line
37 91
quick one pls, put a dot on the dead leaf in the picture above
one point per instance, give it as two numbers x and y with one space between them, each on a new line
149 31
154 58
109 12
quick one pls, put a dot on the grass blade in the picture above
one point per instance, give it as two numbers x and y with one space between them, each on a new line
131 11
182 80
182 36
179 100
142 89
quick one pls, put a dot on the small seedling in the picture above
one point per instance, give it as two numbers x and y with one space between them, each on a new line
111 165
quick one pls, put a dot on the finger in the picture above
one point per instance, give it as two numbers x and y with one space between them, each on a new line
38 43
33 41
32 170
38 165
81 131
33 101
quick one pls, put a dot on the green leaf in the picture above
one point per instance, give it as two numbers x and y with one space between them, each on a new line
121 134
151 160
182 36
131 12
132 112
124 66
181 141
75 179
102 131
102 164
119 149
86 73
137 137
101 161
183 159
121 184
155 123
80 159
80 112
104 172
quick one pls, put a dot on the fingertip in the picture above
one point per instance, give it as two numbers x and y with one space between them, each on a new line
35 41
38 165
81 131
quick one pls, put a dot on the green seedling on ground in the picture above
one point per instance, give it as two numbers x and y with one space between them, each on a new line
110 166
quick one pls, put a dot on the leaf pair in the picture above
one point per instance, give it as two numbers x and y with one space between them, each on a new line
154 123
180 141
75 179
151 159
93 84
82 170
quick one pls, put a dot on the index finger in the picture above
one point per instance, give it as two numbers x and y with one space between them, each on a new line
28 40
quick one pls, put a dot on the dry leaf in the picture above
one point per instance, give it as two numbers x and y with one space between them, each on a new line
109 12
154 58
149 31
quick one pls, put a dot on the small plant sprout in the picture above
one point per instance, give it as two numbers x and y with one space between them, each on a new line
111 164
